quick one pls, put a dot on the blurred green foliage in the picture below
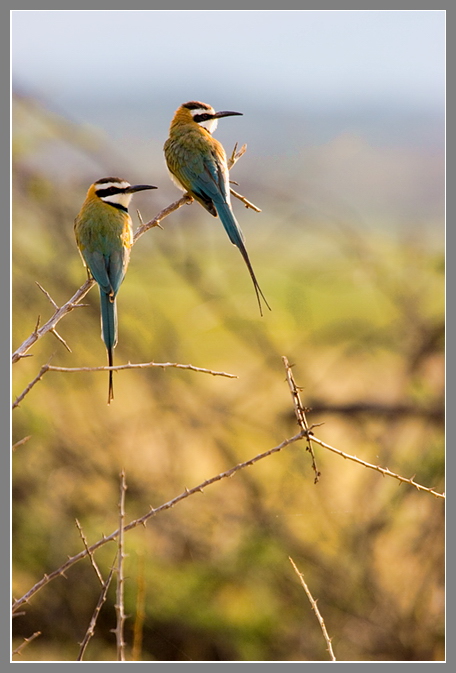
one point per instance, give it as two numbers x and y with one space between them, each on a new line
357 308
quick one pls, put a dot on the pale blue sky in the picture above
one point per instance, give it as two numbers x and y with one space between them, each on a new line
352 101
285 57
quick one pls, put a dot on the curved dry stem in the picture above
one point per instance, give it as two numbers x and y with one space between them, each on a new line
141 365
313 603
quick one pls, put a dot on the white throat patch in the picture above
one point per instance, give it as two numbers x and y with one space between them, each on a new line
210 124
120 198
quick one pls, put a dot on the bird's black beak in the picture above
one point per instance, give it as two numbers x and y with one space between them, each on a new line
138 188
226 113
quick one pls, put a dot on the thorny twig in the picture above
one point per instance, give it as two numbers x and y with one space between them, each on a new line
25 642
300 413
39 332
91 628
91 556
140 365
383 470
313 603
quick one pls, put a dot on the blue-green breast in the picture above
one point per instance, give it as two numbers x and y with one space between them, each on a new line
102 228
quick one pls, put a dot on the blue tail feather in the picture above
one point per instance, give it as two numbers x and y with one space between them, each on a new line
237 238
109 331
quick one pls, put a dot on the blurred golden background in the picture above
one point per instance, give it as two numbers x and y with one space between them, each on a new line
349 252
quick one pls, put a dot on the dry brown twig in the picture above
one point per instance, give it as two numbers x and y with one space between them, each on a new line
19 443
25 642
101 600
74 302
91 556
313 603
307 432
141 365
235 156
300 413
383 470
49 326
91 628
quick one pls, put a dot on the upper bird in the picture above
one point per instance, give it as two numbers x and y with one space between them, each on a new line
197 164
104 235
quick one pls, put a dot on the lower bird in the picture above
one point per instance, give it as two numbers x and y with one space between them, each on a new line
104 235
197 164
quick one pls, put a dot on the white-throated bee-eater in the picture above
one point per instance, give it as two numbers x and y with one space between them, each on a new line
197 164
104 235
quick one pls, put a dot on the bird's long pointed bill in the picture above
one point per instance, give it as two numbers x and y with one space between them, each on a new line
138 188
226 113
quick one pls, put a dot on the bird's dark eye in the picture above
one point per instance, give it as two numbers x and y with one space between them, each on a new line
203 117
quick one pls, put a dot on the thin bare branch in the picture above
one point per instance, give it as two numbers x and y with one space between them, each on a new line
56 306
141 365
236 155
313 603
120 610
38 377
300 413
61 339
16 445
383 470
91 556
25 642
71 304
246 202
102 598
91 628
155 222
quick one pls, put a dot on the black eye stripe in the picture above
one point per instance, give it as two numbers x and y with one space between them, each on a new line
203 117
109 191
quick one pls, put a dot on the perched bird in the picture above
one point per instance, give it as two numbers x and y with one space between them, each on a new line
197 164
104 236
